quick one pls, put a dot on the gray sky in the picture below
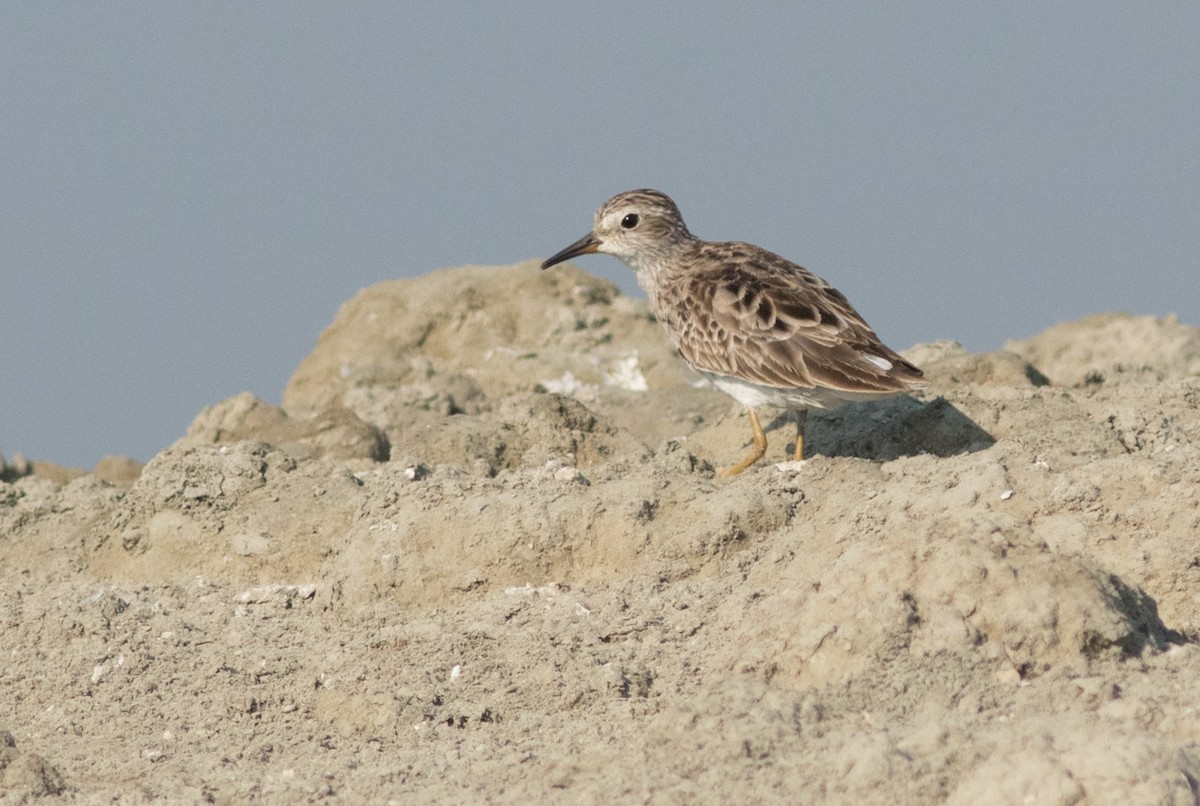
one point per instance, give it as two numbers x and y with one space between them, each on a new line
189 191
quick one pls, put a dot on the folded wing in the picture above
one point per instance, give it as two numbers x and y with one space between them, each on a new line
764 319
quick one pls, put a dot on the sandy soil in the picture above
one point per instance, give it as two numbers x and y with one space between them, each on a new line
480 555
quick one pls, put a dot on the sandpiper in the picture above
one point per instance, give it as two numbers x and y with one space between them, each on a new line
764 330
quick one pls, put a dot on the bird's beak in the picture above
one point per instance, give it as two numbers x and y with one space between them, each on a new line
584 246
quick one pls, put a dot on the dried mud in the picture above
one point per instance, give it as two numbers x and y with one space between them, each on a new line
480 555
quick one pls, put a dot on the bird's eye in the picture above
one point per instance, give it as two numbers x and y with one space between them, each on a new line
630 221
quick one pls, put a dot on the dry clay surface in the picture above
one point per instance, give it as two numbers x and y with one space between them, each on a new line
480 554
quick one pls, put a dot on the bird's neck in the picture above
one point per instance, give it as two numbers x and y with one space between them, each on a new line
662 269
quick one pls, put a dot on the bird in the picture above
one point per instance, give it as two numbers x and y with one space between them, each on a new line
761 328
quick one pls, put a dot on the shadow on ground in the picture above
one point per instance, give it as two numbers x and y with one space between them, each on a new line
888 429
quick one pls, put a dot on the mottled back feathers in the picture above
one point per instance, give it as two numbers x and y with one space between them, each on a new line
737 310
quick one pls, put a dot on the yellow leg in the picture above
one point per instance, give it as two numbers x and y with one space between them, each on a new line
760 447
798 453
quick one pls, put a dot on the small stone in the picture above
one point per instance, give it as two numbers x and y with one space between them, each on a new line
569 474
1008 676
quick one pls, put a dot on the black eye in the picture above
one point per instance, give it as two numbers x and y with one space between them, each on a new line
630 221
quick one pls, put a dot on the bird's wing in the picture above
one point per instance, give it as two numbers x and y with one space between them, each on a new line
756 316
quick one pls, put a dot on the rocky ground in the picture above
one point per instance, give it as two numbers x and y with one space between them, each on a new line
480 555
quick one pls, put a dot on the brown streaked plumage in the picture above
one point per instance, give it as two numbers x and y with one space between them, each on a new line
764 330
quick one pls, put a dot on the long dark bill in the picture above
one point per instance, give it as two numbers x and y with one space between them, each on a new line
584 246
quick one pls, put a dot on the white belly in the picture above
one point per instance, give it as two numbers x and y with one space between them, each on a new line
754 396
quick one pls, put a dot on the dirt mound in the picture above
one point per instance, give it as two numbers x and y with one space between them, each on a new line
1112 346
481 554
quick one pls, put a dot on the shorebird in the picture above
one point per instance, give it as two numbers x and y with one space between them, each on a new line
764 330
